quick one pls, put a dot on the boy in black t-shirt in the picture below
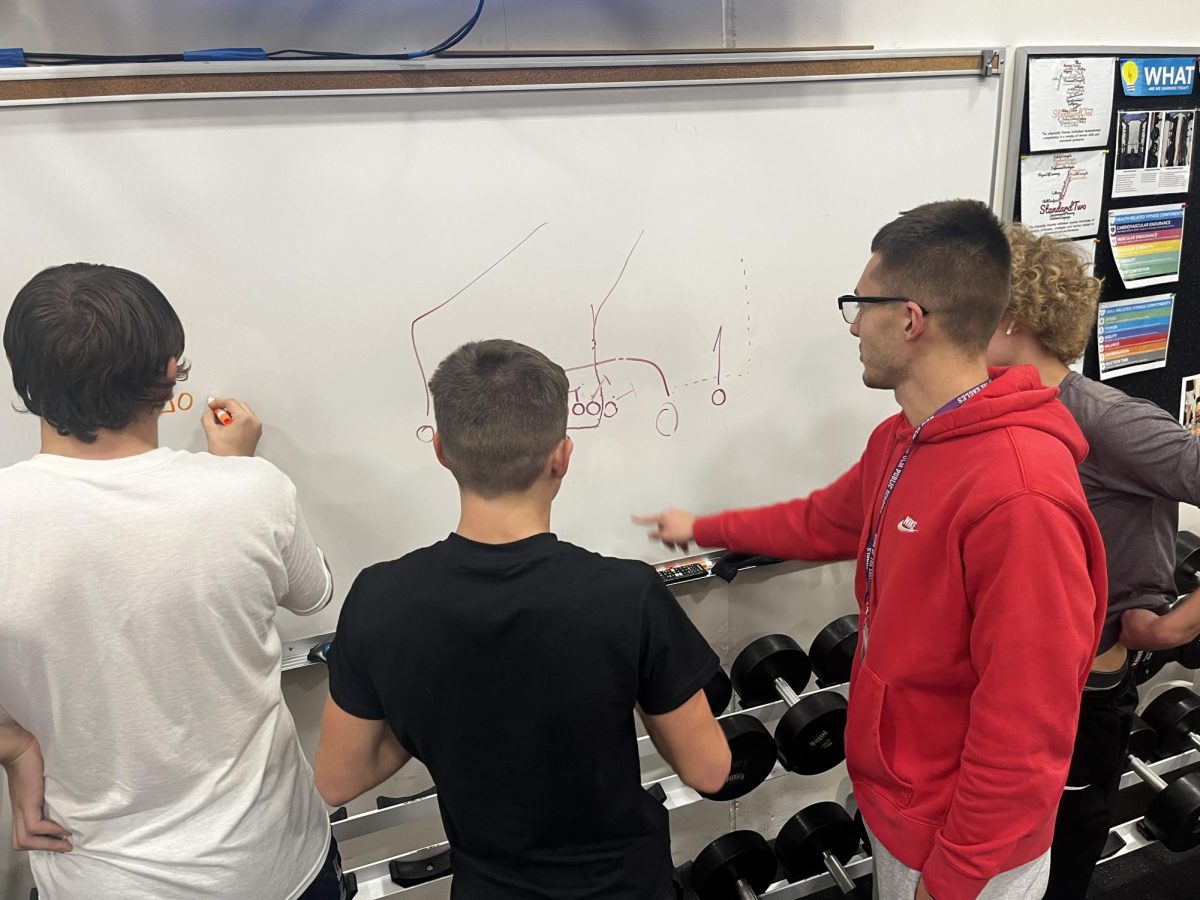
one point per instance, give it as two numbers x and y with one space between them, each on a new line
511 662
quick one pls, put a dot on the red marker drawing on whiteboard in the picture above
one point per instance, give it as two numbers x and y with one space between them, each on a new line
223 415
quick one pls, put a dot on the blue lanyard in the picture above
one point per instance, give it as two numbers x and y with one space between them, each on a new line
873 540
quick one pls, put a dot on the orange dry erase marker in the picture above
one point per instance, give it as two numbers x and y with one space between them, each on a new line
223 415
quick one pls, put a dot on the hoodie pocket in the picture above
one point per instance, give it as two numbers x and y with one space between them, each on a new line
864 740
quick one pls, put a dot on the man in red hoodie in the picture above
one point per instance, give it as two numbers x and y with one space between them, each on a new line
981 573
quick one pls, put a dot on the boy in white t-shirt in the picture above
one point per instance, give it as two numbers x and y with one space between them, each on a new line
138 591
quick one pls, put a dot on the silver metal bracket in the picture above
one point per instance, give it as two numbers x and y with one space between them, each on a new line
991 62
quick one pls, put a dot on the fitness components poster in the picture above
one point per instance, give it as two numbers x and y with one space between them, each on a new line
1147 243
1132 335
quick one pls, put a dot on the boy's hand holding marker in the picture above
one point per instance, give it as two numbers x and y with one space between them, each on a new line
231 427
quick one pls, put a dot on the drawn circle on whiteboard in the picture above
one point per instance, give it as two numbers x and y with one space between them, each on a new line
594 408
719 397
667 420
425 434
183 402
578 409
610 409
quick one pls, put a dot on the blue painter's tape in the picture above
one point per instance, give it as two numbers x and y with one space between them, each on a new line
11 57
224 54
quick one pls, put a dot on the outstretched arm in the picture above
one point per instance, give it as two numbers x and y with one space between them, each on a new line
824 526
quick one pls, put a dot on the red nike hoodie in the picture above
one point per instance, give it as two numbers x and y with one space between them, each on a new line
984 619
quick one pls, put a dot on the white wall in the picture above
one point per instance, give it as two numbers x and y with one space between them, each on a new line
133 26
130 26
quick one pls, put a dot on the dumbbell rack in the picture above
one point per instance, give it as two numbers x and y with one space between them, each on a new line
862 865
374 880
1129 832
674 571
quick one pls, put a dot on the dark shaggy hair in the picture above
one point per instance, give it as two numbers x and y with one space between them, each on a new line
89 347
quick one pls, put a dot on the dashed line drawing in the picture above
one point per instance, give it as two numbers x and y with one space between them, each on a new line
595 398
746 291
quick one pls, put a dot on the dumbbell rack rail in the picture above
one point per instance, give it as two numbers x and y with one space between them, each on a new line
374 881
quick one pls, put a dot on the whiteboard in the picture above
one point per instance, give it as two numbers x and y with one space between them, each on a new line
679 249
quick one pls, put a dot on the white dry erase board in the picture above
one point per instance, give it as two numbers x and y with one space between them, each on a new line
678 247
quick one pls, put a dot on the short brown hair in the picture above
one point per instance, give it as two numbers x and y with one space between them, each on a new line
89 347
1053 296
501 408
951 256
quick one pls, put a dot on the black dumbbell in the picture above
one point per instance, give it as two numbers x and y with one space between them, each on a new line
863 835
1187 562
736 866
753 756
750 744
1173 817
1175 715
1143 741
810 736
832 651
820 838
1145 664
1188 655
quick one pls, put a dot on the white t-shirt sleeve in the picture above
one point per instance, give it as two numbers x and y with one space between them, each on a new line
5 718
310 583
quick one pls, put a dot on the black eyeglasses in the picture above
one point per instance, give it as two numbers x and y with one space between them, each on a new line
851 305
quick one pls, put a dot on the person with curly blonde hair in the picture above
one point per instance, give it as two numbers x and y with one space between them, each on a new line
1140 466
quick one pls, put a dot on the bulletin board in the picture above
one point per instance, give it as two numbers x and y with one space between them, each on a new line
1139 154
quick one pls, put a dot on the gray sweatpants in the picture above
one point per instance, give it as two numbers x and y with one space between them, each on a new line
896 881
